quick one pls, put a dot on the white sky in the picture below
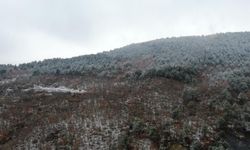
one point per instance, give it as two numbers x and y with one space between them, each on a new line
38 29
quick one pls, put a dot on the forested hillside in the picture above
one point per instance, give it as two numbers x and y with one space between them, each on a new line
221 57
228 52
174 93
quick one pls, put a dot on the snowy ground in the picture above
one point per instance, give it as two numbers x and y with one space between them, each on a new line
6 81
60 89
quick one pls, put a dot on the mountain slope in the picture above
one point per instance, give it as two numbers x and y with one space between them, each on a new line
229 50
174 93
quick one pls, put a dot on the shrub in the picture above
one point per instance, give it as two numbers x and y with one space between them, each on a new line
239 82
123 141
221 123
243 98
226 96
137 74
196 145
153 134
177 113
58 72
35 73
219 145
190 94
3 71
137 126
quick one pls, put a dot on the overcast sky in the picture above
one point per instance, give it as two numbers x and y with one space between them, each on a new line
37 29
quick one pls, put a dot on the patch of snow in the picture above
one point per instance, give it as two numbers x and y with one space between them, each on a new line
60 89
9 90
6 81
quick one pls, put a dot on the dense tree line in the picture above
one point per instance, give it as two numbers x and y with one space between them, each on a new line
169 57
185 74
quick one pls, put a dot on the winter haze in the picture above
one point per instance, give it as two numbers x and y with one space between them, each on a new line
34 30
